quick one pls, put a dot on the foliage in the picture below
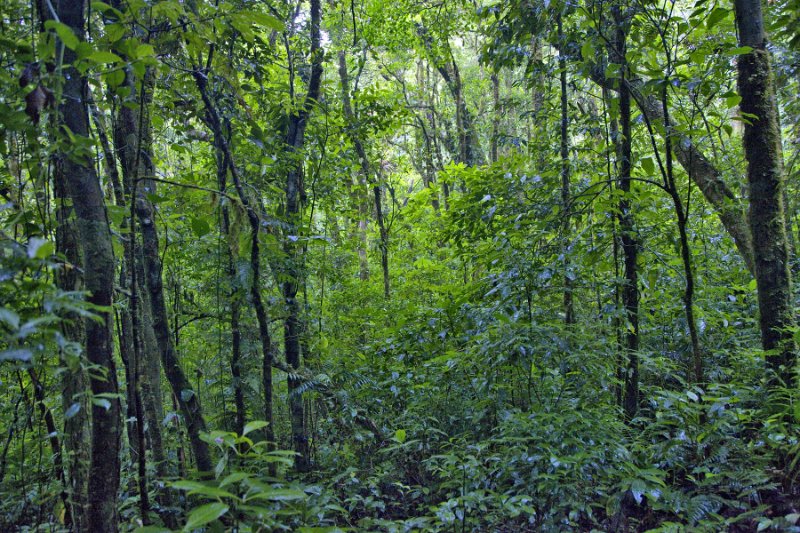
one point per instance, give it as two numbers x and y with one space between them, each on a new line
463 401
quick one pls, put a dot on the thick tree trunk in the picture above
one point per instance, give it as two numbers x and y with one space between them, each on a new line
183 390
148 373
83 187
75 384
765 174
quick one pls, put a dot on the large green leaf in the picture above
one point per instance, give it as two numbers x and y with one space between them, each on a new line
205 514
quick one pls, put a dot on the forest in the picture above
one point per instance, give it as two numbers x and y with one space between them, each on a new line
420 265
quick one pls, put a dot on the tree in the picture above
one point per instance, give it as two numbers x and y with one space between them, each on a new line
765 175
83 188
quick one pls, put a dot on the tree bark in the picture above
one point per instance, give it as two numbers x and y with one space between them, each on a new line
134 137
235 299
294 142
140 331
496 114
83 188
629 242
729 208
566 200
75 384
765 174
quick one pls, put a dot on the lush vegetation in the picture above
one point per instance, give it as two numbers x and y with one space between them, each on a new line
407 266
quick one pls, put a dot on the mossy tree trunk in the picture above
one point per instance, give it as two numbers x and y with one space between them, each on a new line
765 175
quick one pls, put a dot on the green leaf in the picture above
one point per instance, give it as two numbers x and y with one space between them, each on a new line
200 226
253 426
145 50
264 19
587 51
719 14
9 317
400 435
115 32
732 101
637 490
235 477
102 402
278 495
72 410
152 529
205 514
40 248
64 33
648 165
220 468
104 56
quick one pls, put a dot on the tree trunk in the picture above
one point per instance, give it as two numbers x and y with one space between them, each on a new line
468 147
630 244
701 171
365 168
566 200
75 384
295 140
235 299
148 373
497 113
83 187
133 139
763 151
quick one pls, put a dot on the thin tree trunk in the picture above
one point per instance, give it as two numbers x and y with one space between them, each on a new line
295 140
686 253
566 199
52 436
235 300
630 244
133 137
214 123
497 112
365 168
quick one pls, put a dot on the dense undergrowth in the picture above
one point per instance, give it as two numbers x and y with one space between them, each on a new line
463 405
457 394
